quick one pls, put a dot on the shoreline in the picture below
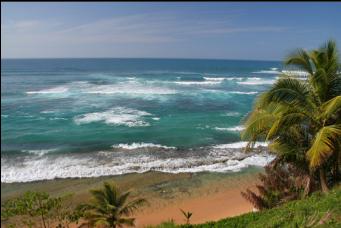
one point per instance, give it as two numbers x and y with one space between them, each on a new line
210 196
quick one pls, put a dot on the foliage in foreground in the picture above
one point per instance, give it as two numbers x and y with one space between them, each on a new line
39 209
301 117
278 185
110 207
301 120
318 210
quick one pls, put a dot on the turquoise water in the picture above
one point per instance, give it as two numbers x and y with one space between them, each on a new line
92 117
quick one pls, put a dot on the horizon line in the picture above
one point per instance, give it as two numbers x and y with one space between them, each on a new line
165 58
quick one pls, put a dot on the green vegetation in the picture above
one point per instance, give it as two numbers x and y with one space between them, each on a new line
34 209
301 120
318 210
110 207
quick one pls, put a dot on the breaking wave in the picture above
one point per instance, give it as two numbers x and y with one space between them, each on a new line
115 116
219 158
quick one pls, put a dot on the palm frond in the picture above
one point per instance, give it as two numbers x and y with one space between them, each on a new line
257 125
126 222
331 107
301 59
132 206
284 122
289 91
324 144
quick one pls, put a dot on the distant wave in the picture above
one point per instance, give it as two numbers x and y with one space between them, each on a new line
198 82
131 87
231 114
59 89
272 70
295 73
115 116
47 112
214 79
58 118
237 128
183 72
222 78
40 152
287 72
134 146
239 145
234 78
239 92
257 81
267 72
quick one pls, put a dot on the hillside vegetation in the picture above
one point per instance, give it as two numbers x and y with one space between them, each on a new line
318 210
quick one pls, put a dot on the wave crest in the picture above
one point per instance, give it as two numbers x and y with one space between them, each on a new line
134 146
115 116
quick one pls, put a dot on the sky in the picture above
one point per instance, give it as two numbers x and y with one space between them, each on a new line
216 30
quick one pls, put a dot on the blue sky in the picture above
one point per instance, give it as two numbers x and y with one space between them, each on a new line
263 31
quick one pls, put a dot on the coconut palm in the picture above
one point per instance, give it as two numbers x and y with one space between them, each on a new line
110 207
301 118
187 215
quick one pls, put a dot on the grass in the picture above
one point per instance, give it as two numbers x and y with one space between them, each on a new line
318 210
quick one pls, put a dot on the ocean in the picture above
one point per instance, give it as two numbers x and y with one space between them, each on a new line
65 118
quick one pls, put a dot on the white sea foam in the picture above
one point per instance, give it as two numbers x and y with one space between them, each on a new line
214 79
156 118
58 118
231 114
257 81
130 89
234 78
40 152
267 71
237 128
295 73
47 112
239 145
220 159
55 90
198 82
115 116
239 92
134 146
4 116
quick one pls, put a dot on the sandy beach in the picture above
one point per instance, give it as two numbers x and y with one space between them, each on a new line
209 196
211 207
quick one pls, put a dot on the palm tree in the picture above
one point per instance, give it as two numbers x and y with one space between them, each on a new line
187 215
110 207
301 118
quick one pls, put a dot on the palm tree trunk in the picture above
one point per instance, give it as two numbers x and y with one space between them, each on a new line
323 181
307 188
336 168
